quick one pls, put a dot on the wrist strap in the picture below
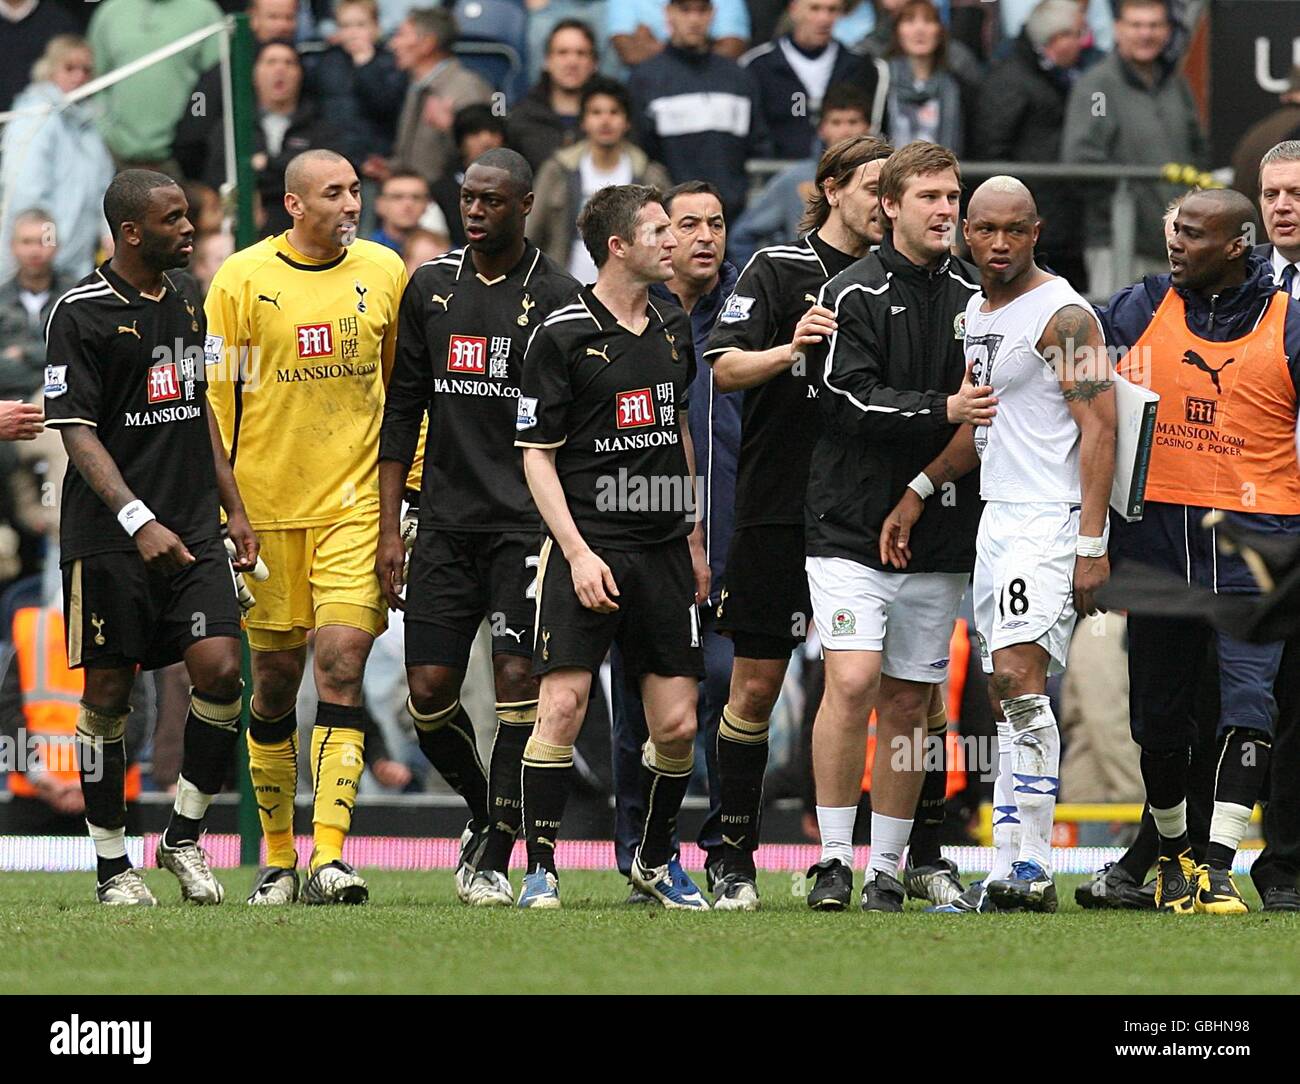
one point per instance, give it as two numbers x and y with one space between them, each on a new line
1085 546
134 516
922 486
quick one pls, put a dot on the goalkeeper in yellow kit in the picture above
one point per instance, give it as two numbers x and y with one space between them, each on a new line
301 333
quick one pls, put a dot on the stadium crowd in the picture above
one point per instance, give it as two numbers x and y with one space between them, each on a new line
591 94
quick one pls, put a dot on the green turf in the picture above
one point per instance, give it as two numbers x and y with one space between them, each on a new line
415 937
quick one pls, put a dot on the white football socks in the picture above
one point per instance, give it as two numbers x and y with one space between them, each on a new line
1006 818
1036 760
835 823
889 837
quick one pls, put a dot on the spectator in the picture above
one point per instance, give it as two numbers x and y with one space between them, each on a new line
211 250
925 100
25 303
1279 203
476 129
1099 21
545 15
55 158
268 20
697 112
356 85
1278 127
140 123
28 26
963 61
774 214
439 86
1019 115
422 246
640 29
1133 107
547 118
403 199
286 126
570 178
794 73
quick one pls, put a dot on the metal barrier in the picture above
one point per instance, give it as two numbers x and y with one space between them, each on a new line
1123 207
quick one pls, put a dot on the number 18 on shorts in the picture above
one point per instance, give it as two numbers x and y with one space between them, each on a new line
1024 578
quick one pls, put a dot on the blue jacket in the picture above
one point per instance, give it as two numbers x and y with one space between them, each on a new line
700 116
714 419
1169 535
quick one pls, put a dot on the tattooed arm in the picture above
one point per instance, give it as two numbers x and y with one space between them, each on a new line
1072 344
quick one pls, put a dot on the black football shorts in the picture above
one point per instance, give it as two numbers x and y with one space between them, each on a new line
457 579
765 607
120 614
656 625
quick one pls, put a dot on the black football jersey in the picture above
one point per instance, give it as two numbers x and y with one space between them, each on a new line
613 404
131 365
460 358
779 418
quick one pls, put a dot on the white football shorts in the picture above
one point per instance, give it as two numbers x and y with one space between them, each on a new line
1024 578
907 616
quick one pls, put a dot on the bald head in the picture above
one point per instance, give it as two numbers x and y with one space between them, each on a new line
1224 210
305 170
1005 194
1001 228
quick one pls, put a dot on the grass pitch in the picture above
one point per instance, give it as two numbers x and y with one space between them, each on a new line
415 938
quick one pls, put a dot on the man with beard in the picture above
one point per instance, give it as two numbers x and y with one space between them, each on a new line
759 347
465 320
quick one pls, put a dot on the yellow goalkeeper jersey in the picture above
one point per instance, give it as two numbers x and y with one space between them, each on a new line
298 355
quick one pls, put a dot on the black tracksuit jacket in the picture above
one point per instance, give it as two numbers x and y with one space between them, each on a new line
885 377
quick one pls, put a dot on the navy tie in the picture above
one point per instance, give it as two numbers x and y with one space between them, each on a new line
1288 279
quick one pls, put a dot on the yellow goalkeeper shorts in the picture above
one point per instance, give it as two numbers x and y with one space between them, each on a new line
319 576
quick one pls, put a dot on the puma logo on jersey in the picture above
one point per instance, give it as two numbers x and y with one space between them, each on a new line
443 301
894 310
594 353
1191 357
271 300
124 330
810 299
519 636
268 809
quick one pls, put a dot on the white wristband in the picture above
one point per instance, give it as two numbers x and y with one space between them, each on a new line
922 486
1089 547
134 516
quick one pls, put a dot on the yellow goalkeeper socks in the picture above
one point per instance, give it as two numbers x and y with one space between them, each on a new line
273 766
337 746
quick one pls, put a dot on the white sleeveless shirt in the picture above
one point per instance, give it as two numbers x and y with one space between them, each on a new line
1031 451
